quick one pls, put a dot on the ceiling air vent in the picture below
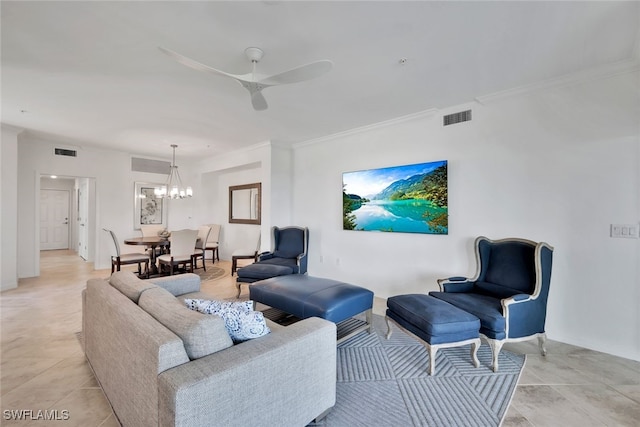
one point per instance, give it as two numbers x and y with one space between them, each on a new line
65 152
452 119
151 166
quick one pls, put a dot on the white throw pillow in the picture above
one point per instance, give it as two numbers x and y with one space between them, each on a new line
241 321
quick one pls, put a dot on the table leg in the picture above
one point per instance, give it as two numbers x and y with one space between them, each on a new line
152 260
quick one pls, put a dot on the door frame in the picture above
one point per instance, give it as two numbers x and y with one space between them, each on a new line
92 218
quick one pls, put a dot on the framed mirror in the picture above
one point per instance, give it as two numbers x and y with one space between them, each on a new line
245 203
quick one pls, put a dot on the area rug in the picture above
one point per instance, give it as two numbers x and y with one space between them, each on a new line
212 273
384 383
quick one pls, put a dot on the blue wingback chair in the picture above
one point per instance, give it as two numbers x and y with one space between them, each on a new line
288 255
290 245
508 293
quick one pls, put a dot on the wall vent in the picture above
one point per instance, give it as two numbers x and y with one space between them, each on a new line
65 152
151 166
452 119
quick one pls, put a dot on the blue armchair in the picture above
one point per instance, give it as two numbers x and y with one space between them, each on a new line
508 293
287 256
290 245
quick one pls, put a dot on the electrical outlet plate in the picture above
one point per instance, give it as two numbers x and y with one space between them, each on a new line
624 231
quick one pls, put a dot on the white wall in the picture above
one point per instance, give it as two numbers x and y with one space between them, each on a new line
266 163
8 205
558 165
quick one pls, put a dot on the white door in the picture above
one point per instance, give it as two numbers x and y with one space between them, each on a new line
54 219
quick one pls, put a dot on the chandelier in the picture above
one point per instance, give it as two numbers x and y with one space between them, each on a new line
173 188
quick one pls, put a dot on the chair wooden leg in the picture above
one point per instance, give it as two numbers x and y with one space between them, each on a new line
542 339
496 346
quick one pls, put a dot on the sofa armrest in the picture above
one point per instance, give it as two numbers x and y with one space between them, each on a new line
285 378
179 284
455 284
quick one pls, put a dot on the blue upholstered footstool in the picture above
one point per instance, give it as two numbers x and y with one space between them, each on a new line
260 271
306 296
436 323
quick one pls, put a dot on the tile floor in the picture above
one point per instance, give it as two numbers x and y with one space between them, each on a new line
43 366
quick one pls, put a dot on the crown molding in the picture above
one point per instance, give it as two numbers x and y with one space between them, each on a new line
603 72
366 128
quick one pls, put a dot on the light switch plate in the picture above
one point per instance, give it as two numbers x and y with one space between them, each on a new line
624 231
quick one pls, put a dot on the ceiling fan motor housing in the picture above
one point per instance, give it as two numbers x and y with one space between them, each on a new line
254 54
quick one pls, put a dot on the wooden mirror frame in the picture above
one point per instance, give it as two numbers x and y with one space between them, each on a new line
258 187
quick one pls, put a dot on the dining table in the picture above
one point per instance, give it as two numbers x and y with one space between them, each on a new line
151 242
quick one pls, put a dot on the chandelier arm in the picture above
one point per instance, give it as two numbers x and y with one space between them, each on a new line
174 180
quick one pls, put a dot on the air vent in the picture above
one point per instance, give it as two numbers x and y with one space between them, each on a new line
152 166
65 152
452 119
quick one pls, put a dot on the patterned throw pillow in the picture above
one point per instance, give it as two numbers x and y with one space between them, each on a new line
241 321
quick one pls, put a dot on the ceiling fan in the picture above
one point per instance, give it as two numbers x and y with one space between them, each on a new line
255 82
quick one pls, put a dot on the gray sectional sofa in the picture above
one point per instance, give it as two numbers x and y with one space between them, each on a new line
161 364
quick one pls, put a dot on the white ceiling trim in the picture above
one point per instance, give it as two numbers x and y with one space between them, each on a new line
585 76
397 120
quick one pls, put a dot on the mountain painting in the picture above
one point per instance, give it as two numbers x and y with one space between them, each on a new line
405 199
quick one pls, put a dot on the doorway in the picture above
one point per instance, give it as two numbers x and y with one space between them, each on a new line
81 215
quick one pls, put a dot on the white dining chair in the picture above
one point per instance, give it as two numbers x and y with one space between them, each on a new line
180 250
213 242
201 246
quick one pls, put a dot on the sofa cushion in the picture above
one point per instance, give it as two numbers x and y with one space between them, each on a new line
129 284
290 243
494 290
263 270
201 335
179 284
291 263
241 321
511 265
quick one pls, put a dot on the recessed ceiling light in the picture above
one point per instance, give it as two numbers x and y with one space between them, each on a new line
54 176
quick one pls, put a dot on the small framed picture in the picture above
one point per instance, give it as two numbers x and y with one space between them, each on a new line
147 208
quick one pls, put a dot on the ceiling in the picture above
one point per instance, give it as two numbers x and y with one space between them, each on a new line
91 74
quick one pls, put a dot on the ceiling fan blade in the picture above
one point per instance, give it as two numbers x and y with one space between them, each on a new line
299 74
258 101
194 64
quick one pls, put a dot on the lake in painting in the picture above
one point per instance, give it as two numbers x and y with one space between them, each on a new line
407 199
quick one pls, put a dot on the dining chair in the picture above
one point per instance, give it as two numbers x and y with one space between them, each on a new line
214 241
129 258
181 249
201 246
153 230
245 253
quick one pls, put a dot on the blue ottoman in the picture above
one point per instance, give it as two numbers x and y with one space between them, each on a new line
260 271
436 323
306 296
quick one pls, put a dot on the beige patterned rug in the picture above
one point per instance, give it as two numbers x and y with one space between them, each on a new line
212 273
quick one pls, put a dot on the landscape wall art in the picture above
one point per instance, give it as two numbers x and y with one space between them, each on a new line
405 199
